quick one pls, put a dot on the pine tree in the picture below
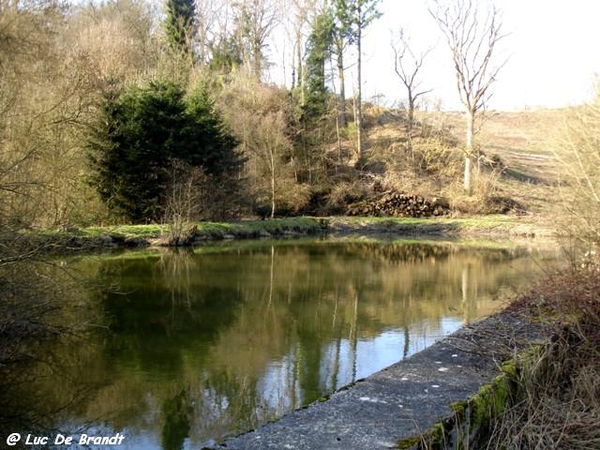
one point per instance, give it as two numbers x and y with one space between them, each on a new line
318 52
342 37
351 18
180 25
364 12
212 146
139 136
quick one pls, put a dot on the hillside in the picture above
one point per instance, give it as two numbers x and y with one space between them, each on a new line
519 160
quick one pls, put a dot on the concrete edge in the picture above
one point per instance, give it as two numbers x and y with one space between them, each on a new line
406 399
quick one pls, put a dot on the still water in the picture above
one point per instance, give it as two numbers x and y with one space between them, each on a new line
194 346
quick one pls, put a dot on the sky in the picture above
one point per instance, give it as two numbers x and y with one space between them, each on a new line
551 46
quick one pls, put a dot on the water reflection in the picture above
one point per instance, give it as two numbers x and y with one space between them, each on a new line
208 343
47 361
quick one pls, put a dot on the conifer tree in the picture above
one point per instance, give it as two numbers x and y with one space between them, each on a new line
351 19
318 52
342 37
141 133
180 25
364 12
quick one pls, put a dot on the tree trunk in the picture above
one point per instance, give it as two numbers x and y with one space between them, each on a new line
299 74
358 118
343 122
272 156
410 123
469 151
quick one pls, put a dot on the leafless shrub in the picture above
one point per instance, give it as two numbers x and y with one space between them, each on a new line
345 193
185 202
485 198
579 152
435 156
559 405
260 118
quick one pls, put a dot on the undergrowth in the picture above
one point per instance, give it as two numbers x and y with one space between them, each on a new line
559 406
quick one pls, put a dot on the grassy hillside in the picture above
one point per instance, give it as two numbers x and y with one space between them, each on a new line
519 155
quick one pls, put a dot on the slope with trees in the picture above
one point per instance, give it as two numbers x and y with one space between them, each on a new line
81 69
472 37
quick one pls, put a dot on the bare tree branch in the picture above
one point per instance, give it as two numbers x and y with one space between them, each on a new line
472 38
407 66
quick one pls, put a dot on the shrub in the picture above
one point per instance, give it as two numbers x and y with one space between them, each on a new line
138 136
579 152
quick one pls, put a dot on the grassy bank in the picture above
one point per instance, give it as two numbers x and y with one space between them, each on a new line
491 225
154 234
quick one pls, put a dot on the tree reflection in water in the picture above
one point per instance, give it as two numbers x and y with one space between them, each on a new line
208 343
47 359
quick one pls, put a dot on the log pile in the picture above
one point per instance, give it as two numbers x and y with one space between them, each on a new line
397 204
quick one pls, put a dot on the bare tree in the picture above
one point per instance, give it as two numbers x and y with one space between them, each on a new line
259 115
472 36
206 15
407 66
255 20
299 14
577 151
364 13
342 37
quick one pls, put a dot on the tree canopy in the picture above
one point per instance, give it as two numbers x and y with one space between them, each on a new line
141 132
318 51
180 24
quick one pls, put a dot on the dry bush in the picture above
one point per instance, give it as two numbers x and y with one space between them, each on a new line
55 62
559 406
343 194
260 117
560 389
436 156
114 39
556 412
426 164
579 152
184 202
486 197
293 198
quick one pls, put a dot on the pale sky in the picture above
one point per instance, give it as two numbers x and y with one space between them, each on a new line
552 47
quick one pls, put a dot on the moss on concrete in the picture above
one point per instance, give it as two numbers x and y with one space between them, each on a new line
471 420
409 442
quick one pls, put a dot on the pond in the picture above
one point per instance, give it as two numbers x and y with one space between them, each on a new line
193 346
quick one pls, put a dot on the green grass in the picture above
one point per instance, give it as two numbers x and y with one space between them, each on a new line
478 225
252 228
477 228
133 231
215 230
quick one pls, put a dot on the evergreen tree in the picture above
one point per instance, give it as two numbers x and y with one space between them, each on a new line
226 55
318 52
364 12
342 38
351 18
213 148
180 25
140 134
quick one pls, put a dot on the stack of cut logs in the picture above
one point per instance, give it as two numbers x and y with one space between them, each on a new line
396 204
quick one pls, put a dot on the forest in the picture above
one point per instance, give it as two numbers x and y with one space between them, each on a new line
130 112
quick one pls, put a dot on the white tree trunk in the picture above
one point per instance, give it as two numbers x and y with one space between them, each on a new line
469 151
358 118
